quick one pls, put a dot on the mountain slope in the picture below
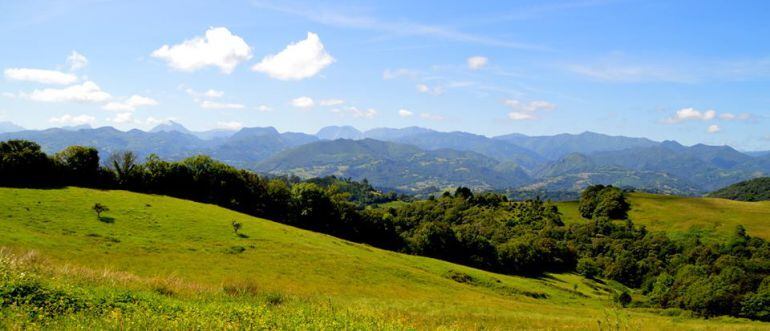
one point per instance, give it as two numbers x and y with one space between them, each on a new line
757 189
395 166
554 147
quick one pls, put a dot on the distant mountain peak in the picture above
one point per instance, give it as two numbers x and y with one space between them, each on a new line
339 132
170 126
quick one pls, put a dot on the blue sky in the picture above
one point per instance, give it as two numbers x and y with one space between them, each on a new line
693 71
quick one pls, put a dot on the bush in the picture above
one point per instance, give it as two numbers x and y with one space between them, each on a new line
588 268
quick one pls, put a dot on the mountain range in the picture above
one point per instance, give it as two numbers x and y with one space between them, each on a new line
420 160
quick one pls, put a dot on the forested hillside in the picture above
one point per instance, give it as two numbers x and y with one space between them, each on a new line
757 189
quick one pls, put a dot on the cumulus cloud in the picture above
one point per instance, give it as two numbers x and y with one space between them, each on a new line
208 104
689 114
300 60
713 128
356 112
218 48
331 102
527 110
40 76
405 113
303 102
477 62
397 73
88 92
130 104
436 90
68 119
232 125
76 61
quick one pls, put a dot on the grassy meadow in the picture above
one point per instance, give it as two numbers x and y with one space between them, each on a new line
165 263
713 218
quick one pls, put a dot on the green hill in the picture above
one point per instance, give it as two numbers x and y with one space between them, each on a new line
757 189
159 262
712 217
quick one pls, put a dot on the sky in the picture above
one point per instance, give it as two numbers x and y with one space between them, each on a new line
691 71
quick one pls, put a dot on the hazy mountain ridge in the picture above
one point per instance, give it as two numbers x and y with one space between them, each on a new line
415 159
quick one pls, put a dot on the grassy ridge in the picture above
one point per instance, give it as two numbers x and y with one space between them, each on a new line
712 217
182 254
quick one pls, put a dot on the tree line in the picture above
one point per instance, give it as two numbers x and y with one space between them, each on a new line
484 230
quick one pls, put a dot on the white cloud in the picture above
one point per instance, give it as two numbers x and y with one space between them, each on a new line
356 112
122 118
713 128
299 60
437 90
76 61
303 102
264 108
207 104
72 120
527 110
232 126
687 114
405 113
130 104
218 48
8 95
213 94
477 62
84 93
397 73
331 102
431 117
152 121
40 76
733 117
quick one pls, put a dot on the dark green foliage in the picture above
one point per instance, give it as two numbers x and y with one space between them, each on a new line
623 298
80 164
751 190
603 201
22 163
588 268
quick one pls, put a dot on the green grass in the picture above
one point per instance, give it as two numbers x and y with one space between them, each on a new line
712 217
189 270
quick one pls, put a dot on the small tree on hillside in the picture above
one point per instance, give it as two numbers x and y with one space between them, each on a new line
237 226
99 209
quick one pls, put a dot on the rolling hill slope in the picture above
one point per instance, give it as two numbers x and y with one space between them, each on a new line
187 255
712 217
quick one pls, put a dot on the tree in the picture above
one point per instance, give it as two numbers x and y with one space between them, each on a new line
123 164
236 226
603 201
79 163
623 298
23 163
99 209
588 268
588 200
